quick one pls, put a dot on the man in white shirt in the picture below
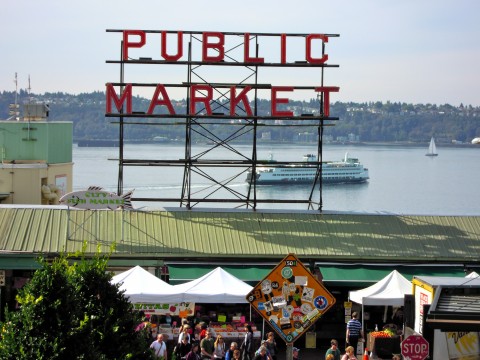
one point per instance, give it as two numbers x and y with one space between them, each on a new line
159 348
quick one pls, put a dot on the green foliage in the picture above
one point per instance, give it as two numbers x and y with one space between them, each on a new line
373 121
72 311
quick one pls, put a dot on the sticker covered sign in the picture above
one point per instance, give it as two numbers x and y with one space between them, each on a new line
290 299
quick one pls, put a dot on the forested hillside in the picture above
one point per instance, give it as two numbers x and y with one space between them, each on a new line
364 122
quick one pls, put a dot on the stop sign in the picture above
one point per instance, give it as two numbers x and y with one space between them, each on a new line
415 347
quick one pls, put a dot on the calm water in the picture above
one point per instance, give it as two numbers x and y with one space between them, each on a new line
402 179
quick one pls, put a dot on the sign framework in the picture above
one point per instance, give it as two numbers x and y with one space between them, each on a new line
290 299
221 113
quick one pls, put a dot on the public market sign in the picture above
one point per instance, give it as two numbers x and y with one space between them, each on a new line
150 47
290 299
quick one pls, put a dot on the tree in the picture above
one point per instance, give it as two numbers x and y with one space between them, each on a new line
72 311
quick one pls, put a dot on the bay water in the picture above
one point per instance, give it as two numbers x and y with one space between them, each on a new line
402 179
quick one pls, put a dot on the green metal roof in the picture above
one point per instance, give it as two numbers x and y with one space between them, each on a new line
264 236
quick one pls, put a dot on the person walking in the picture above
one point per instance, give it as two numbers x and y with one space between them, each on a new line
261 354
219 348
247 344
185 333
193 354
236 354
181 350
349 354
159 348
271 345
203 330
354 331
263 345
229 353
207 345
333 350
295 353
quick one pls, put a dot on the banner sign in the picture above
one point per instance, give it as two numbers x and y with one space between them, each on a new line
182 310
96 198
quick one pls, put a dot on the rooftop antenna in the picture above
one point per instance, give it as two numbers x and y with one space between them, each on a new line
30 100
16 90
13 108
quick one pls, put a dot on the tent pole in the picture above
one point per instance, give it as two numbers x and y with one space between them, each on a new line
363 326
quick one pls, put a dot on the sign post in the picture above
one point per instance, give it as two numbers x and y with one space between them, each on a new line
290 299
415 347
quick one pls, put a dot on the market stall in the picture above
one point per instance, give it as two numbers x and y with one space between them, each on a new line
161 300
390 291
218 287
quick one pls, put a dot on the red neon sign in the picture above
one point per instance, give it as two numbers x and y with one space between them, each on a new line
214 50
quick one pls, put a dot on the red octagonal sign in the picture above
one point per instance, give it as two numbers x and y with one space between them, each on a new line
415 347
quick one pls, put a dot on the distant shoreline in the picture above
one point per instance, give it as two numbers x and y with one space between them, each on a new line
406 144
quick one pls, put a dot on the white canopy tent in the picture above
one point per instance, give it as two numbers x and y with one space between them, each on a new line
217 286
472 275
141 286
390 291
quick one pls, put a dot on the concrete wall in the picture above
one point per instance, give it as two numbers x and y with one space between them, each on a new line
24 182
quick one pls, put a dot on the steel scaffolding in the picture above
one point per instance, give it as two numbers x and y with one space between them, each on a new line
220 130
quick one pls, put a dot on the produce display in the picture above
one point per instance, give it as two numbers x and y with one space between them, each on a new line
232 330
383 334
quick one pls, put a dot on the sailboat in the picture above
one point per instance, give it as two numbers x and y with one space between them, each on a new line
432 149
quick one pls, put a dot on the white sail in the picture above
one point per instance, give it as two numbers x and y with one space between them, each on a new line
432 149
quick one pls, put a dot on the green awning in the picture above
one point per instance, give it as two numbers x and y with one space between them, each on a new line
19 262
180 273
335 275
112 262
365 275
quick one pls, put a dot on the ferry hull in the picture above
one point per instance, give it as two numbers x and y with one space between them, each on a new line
347 171
307 182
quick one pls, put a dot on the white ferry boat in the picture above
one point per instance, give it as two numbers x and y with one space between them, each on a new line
347 170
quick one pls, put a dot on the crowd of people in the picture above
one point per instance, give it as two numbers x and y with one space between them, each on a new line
205 346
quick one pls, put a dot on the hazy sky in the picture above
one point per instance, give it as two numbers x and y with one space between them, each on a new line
414 51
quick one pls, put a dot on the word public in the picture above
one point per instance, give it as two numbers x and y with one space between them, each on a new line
213 46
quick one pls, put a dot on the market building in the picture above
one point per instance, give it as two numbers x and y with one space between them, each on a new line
346 251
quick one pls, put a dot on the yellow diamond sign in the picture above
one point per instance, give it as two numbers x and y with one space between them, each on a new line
290 299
